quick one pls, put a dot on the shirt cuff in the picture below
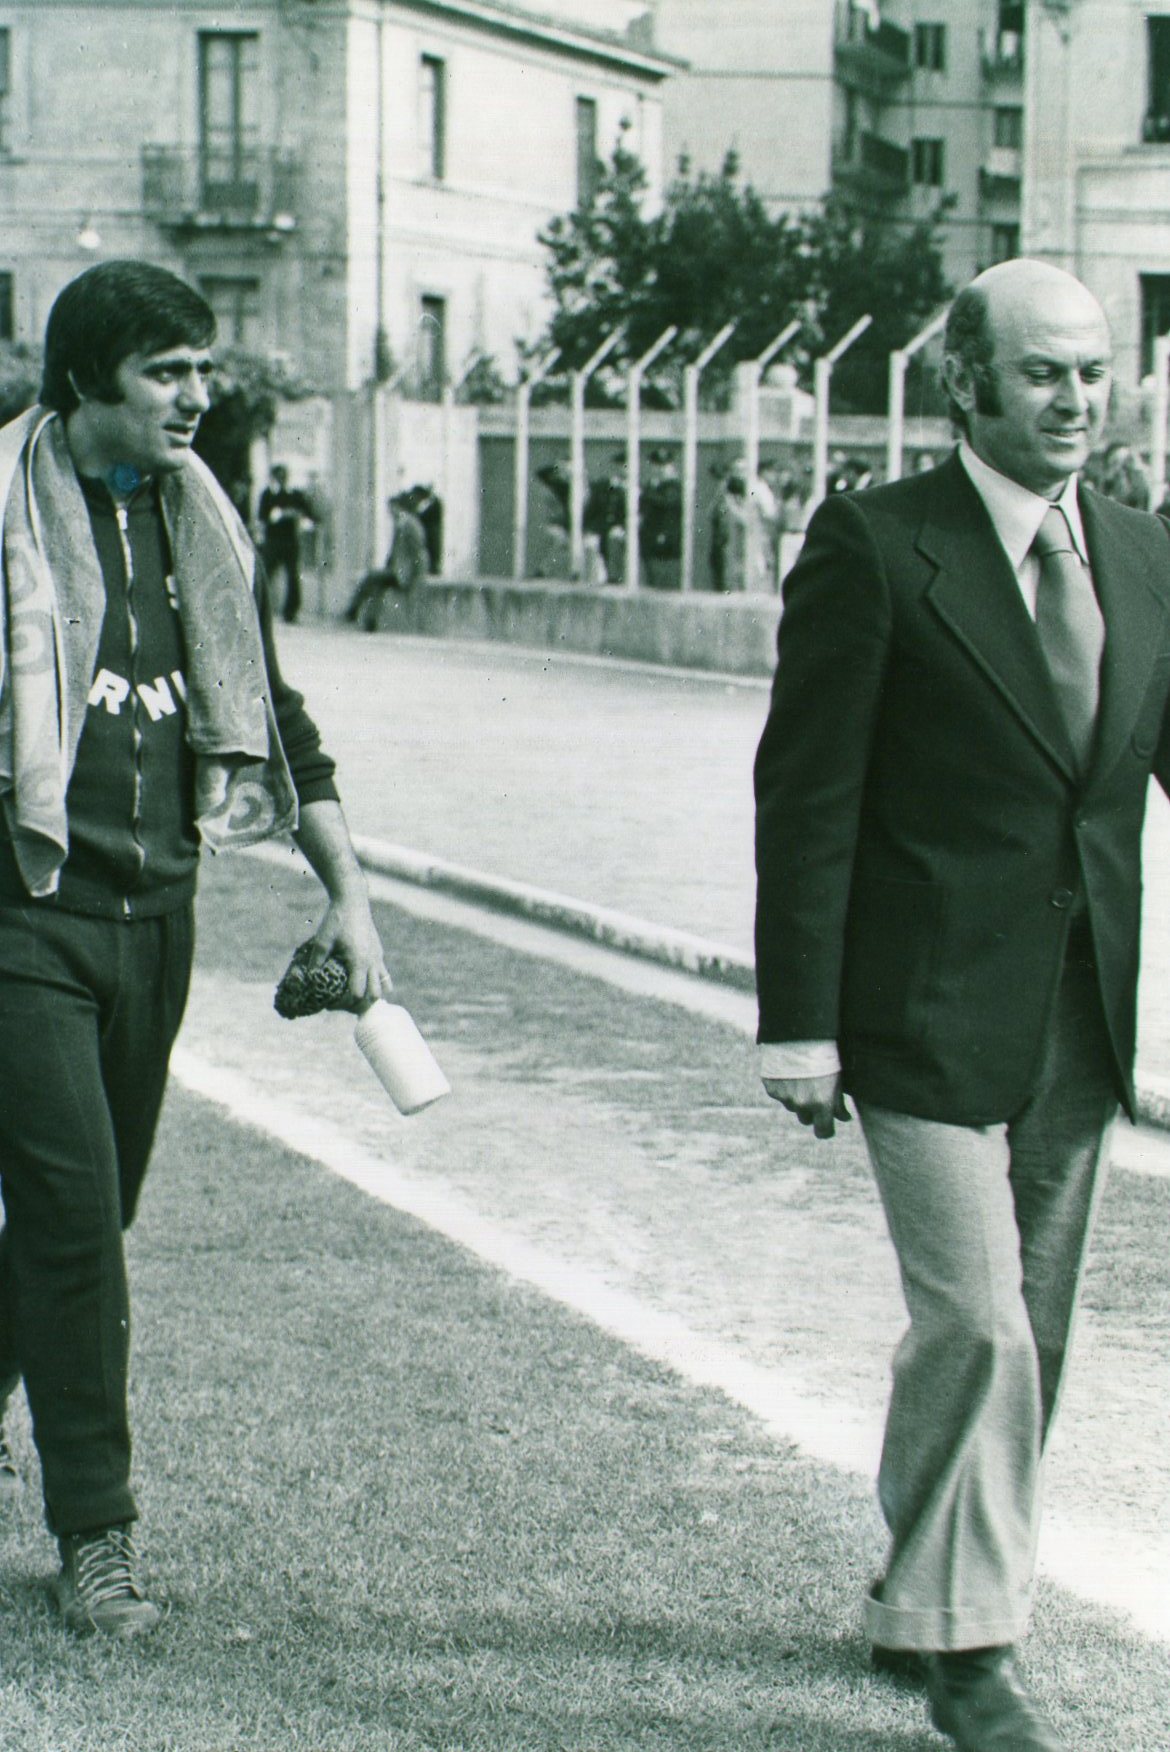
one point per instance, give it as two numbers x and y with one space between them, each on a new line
799 1058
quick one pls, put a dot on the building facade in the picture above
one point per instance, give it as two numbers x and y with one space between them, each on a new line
357 184
1097 160
905 107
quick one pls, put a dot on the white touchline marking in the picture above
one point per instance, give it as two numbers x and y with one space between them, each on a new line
1100 1564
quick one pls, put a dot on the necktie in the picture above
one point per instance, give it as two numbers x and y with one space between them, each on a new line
1071 630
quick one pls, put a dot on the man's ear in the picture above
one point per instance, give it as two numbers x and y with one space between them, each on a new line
959 381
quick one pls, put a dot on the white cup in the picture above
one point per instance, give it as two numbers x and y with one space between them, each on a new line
399 1057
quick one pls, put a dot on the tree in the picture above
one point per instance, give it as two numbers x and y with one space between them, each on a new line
713 253
245 391
20 378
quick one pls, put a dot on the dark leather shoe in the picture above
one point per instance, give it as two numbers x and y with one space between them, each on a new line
979 1698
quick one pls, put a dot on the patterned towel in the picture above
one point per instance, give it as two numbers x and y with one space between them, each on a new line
53 603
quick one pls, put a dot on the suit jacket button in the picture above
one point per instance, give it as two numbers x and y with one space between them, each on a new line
1061 897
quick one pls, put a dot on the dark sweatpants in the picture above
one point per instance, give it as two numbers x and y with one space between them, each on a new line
89 1010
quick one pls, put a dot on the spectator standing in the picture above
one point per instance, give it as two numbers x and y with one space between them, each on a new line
660 531
281 513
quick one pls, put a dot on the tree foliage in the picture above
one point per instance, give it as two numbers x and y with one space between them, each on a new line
713 253
246 389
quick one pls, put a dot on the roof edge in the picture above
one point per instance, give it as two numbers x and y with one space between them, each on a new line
542 27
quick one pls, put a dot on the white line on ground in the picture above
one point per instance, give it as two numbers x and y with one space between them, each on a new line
1100 1564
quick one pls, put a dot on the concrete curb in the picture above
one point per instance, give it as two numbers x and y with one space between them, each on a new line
617 930
621 931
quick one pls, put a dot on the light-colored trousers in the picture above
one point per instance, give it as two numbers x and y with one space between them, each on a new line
991 1226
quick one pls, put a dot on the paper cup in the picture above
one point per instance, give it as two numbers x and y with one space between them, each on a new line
399 1057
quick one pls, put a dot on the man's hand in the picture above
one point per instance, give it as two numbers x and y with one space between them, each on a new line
816 1101
348 931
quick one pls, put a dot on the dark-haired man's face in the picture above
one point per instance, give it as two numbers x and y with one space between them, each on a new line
163 397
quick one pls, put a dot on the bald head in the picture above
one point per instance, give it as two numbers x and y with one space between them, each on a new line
1028 369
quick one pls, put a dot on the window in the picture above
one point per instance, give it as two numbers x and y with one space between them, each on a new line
236 303
1155 289
927 158
930 47
587 166
7 307
432 117
5 85
1157 124
432 348
229 128
1005 242
1009 128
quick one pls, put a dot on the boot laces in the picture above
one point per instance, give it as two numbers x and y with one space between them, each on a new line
106 1569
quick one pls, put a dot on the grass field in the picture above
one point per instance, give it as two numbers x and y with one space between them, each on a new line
393 1502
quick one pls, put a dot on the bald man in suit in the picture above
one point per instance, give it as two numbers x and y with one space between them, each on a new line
969 701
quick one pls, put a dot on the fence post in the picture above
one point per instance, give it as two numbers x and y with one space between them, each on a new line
896 409
524 391
634 451
822 373
577 452
756 369
691 377
1158 418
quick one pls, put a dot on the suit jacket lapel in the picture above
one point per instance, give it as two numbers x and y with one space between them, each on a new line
1134 615
976 593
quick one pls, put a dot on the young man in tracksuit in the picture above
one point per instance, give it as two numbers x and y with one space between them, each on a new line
142 713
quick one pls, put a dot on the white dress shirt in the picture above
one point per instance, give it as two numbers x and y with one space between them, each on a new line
1016 514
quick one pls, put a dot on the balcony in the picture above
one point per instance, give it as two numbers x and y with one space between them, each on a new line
1000 174
1001 55
870 165
252 191
871 57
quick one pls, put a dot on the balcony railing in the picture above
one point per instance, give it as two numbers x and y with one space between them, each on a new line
1000 174
873 166
871 55
1002 55
191 190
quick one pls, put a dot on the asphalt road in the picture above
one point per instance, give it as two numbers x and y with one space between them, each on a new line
621 785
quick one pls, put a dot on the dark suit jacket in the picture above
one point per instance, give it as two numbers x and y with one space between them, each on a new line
922 832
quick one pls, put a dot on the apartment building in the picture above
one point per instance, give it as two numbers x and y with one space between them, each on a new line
903 106
357 183
1096 172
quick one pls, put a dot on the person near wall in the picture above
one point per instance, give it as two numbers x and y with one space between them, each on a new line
660 522
742 532
969 700
143 714
1124 478
282 514
406 564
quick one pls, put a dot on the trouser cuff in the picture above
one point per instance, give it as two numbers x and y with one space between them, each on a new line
941 1628
91 1514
